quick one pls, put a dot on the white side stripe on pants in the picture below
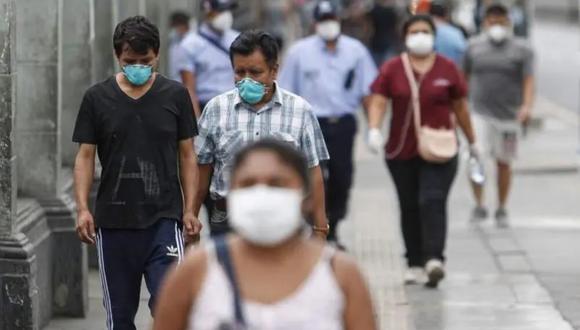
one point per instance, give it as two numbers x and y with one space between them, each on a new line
179 243
103 274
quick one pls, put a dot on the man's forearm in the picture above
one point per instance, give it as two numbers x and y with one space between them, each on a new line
319 215
189 181
83 179
529 92
205 172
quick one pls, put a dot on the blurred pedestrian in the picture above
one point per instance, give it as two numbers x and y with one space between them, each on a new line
179 25
142 127
500 68
385 41
427 92
450 40
204 61
269 275
333 72
258 108
205 68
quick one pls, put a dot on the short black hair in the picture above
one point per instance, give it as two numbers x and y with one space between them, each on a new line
418 18
249 41
439 9
284 151
179 18
496 9
138 33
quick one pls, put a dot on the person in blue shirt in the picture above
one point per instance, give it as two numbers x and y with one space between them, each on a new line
449 40
333 72
204 65
179 25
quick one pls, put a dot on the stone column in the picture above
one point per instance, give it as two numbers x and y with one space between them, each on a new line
18 297
39 131
37 118
69 285
74 68
101 39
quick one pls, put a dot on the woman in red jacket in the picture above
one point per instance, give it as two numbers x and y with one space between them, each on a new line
422 185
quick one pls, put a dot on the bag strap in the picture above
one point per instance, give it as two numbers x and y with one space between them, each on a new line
415 94
214 42
225 260
415 99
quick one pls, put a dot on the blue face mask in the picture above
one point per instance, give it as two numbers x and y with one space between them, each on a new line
138 74
250 90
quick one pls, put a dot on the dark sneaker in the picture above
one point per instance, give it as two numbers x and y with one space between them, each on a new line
479 214
435 273
502 219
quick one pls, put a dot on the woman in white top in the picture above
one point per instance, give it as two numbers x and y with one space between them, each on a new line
284 279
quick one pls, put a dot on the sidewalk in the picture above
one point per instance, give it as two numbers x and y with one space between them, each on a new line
491 283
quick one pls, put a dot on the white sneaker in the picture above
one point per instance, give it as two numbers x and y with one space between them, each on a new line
414 275
435 272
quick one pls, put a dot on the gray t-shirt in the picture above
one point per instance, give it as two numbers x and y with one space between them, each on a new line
497 73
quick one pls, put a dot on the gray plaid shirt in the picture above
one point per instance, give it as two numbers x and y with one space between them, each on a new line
228 123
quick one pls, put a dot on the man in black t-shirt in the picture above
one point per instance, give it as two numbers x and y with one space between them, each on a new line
142 126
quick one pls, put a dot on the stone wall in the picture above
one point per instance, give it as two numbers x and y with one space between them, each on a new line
51 51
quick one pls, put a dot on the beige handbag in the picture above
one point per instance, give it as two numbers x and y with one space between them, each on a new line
434 145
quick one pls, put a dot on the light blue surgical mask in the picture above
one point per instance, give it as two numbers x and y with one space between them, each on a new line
250 90
138 74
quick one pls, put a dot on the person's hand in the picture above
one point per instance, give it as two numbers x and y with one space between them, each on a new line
86 227
524 115
192 227
375 140
474 151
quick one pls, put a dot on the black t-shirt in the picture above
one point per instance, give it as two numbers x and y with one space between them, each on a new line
138 146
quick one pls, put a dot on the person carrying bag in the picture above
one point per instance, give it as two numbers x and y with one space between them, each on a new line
429 92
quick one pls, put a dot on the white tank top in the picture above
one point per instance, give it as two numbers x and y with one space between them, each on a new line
318 303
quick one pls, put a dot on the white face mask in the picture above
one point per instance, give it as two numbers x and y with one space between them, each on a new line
498 33
421 44
265 216
328 30
223 21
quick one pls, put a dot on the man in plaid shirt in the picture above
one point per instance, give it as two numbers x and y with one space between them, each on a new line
256 109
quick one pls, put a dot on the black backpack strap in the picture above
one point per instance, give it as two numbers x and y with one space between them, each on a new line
214 42
225 260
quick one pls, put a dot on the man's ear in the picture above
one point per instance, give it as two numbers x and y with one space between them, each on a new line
275 69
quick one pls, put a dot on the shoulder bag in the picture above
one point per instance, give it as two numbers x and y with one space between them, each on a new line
436 145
